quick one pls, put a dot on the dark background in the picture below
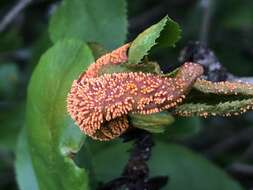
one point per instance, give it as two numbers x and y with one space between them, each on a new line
225 26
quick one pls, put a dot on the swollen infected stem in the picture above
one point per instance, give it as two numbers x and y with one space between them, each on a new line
100 104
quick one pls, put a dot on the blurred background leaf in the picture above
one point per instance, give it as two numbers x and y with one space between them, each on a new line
105 153
103 22
224 141
183 128
11 123
187 170
184 168
154 123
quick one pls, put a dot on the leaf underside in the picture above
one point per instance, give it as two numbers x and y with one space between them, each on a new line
165 33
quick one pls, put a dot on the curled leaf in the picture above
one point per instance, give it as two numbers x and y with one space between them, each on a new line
226 108
154 123
217 98
226 87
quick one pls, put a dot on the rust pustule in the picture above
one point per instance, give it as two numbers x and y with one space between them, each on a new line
100 104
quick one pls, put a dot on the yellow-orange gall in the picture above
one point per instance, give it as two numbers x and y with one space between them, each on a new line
100 105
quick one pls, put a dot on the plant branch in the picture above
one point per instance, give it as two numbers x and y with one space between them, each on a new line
244 79
207 6
11 15
136 171
241 169
245 136
248 154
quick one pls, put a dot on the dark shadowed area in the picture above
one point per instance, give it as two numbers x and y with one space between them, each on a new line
192 153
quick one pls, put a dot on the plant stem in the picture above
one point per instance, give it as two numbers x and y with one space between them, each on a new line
136 171
207 9
12 14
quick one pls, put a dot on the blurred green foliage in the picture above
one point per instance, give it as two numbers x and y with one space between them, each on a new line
49 139
9 76
98 21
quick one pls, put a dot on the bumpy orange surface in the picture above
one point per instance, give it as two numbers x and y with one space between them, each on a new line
100 104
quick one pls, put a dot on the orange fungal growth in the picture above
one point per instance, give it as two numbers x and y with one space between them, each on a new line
100 104
115 57
111 129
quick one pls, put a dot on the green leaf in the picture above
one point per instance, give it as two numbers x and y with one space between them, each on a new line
187 170
25 174
154 123
224 88
103 153
164 33
91 21
217 98
41 44
183 128
52 136
221 108
71 139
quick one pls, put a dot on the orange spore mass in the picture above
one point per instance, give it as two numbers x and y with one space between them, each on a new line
100 104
